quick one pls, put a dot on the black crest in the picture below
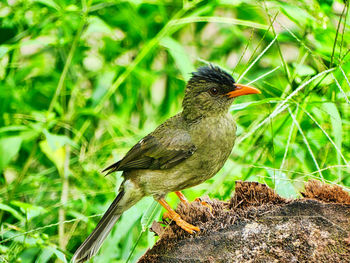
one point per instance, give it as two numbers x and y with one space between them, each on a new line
213 73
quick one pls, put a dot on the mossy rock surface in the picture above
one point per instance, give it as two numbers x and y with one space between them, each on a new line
257 225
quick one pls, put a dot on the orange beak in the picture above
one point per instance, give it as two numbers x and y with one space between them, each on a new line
242 90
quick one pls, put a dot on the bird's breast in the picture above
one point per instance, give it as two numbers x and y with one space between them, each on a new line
214 138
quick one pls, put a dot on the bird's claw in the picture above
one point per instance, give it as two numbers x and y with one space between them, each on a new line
180 222
184 200
186 226
203 203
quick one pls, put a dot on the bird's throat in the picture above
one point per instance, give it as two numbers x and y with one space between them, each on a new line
194 114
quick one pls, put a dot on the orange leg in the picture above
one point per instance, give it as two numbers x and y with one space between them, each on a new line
198 199
176 217
182 198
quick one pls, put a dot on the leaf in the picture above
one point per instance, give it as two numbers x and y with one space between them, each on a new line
13 128
58 254
150 215
44 256
57 156
326 3
29 252
48 252
180 56
56 141
9 147
11 211
29 209
104 81
53 147
296 14
20 238
316 138
303 70
49 3
3 50
335 121
97 25
298 152
4 250
283 185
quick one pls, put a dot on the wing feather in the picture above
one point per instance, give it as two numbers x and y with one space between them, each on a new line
159 150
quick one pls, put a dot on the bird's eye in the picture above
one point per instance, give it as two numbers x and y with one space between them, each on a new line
214 91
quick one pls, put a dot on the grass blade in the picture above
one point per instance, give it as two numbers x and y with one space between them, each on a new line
288 143
325 133
258 57
338 85
306 143
264 75
222 20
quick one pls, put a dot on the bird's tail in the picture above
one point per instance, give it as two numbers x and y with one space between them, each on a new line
94 241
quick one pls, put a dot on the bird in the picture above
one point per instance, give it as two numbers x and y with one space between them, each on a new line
184 151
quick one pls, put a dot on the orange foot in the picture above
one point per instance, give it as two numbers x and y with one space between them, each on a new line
177 218
203 203
184 200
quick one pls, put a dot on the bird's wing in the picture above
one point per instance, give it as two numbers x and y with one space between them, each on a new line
160 150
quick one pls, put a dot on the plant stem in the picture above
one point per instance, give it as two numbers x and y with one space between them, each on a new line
64 176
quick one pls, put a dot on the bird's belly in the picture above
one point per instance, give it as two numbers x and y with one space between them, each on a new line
160 182
186 174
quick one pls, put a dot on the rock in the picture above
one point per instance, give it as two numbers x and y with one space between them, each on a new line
257 225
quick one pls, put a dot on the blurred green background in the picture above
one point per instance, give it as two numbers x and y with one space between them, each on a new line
81 82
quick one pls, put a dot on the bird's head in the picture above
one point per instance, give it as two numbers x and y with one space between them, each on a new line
210 91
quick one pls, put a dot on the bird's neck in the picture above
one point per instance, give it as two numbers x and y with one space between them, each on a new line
191 114
193 111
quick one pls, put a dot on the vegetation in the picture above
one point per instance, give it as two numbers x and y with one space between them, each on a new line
81 82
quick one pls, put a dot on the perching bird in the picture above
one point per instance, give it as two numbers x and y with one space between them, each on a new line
184 151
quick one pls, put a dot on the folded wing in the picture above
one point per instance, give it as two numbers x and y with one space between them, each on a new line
161 149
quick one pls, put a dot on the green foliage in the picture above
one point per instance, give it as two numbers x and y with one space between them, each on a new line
81 82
